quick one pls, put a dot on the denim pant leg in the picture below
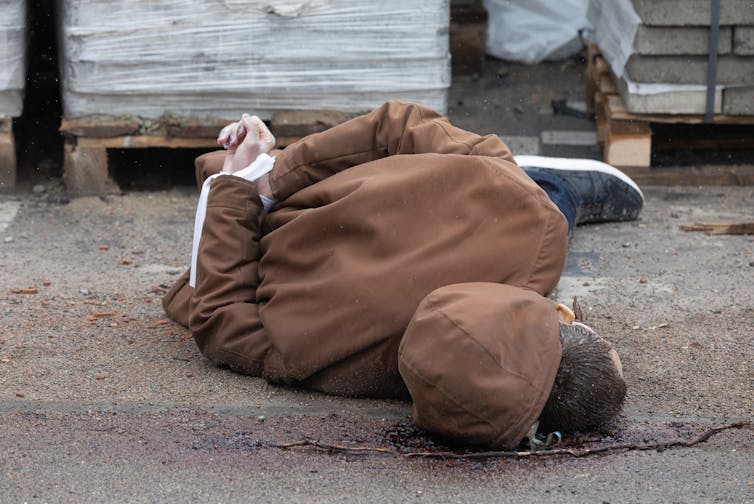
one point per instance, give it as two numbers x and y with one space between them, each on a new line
560 192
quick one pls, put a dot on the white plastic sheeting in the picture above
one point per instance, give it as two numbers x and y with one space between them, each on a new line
12 51
530 31
224 57
615 25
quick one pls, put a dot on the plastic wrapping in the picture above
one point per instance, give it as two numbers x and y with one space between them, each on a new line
615 25
223 57
530 31
12 51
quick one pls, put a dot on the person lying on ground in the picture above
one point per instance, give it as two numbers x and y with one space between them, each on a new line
396 255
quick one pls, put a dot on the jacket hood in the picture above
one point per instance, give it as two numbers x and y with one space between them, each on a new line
479 360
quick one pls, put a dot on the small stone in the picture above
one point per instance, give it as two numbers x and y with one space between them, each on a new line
8 239
626 245
38 189
85 292
643 280
261 418
751 264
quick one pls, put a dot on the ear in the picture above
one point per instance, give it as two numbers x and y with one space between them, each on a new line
565 315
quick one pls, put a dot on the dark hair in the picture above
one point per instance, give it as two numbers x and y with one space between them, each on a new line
588 388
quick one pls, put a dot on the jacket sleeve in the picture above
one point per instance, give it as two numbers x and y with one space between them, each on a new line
223 316
392 129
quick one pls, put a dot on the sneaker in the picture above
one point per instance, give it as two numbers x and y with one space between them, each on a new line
607 194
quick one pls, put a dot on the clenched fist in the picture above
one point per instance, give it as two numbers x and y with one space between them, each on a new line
244 141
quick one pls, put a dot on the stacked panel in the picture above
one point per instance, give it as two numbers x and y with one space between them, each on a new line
219 58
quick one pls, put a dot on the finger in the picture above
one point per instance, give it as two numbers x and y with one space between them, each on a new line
240 132
222 138
252 128
266 138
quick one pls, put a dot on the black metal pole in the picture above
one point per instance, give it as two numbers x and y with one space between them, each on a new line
714 36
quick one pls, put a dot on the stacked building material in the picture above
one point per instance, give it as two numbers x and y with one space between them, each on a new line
12 51
659 53
219 58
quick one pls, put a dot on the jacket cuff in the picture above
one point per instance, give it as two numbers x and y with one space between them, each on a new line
283 164
233 192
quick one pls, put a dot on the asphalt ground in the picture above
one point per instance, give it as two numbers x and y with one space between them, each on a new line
104 400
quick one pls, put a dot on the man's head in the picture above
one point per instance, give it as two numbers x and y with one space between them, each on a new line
589 387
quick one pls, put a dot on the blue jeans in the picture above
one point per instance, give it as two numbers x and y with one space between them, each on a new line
560 192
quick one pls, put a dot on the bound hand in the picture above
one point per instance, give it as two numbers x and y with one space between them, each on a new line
245 140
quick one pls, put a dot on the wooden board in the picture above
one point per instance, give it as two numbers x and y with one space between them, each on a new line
7 155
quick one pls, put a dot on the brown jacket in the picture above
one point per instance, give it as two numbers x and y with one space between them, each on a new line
373 216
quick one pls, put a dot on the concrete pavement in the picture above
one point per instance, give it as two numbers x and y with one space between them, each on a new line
102 399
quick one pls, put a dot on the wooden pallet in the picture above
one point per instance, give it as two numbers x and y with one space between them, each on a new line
629 139
87 139
7 155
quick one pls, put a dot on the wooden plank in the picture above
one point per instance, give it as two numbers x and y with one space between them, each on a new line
591 88
170 132
299 123
146 141
7 161
628 143
738 228
617 110
600 67
85 170
99 126
599 80
6 125
720 227
607 86
196 128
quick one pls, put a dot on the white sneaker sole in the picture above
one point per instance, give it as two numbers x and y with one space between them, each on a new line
575 164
